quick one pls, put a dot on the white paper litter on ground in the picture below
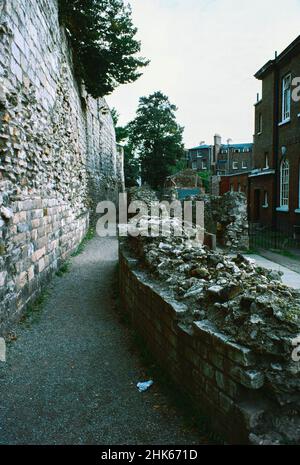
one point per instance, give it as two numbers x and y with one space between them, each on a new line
143 386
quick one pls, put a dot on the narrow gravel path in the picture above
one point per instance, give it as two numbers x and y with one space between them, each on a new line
70 377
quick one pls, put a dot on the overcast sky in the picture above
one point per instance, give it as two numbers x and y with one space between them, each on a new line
203 56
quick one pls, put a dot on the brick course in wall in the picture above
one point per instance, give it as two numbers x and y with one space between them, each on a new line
58 155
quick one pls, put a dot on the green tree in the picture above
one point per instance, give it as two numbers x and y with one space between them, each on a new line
205 177
131 163
131 166
156 138
121 131
103 39
180 166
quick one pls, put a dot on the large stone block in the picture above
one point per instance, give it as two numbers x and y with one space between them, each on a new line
252 379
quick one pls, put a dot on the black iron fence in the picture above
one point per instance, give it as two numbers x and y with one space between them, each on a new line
280 238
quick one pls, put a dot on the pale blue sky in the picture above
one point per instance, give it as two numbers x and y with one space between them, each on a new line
204 54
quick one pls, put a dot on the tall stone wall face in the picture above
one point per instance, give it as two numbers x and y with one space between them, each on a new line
58 153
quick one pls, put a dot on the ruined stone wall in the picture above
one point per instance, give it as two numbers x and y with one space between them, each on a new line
57 152
226 216
229 213
234 361
196 362
225 330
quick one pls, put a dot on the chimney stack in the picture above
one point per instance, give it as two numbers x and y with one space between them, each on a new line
216 148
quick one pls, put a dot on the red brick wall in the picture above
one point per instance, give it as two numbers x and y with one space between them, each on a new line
215 374
263 142
288 135
234 181
257 213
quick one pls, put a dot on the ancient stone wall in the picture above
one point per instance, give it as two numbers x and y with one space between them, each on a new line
239 372
225 330
229 215
226 217
57 148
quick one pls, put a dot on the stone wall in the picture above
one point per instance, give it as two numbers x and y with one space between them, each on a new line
225 330
120 167
194 360
250 390
226 216
229 212
58 153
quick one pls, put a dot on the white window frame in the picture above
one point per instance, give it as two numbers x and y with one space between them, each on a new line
266 199
284 184
244 165
204 167
267 166
235 165
286 97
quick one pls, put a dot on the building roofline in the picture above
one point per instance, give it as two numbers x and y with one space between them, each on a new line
261 173
231 175
201 147
270 64
246 144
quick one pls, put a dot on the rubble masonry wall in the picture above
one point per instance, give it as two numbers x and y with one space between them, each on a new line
221 378
58 153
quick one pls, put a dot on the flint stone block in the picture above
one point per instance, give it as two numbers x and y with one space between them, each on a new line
22 279
23 227
2 350
42 265
3 275
6 213
222 343
36 256
209 332
252 379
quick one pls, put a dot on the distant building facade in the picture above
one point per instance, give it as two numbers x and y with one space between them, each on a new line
233 159
200 158
221 159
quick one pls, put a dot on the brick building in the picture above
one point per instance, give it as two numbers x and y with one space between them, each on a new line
200 158
274 197
234 158
237 183
222 159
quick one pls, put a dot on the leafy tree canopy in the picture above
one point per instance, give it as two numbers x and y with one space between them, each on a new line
131 166
121 131
131 162
103 38
156 137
